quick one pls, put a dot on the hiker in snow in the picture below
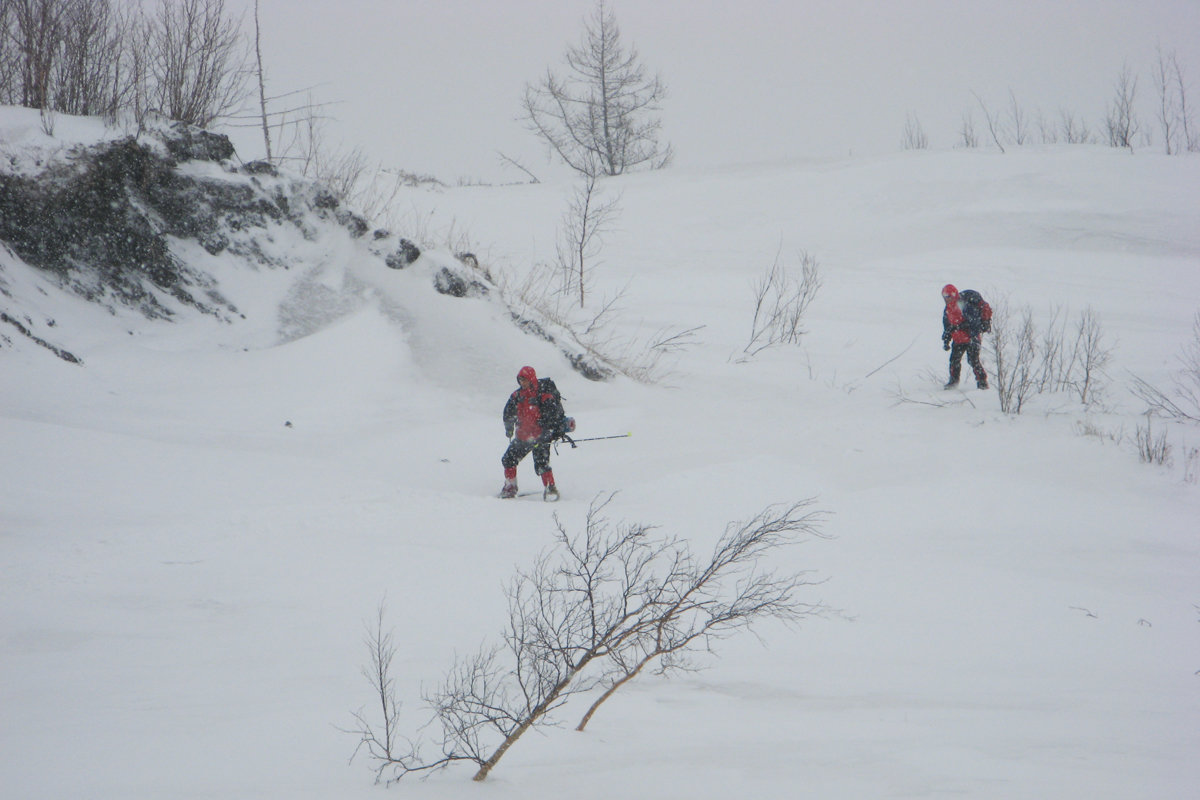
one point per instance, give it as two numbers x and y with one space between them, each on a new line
964 321
533 419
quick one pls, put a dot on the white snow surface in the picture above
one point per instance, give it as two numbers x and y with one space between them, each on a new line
198 523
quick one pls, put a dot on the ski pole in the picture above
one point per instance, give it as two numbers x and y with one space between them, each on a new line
595 438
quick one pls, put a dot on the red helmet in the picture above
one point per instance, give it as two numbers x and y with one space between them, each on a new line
529 374
949 291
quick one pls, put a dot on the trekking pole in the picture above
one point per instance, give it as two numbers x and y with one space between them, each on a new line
572 442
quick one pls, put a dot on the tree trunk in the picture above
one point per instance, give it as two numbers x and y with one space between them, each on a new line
612 690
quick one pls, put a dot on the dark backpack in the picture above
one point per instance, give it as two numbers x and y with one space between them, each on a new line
546 386
977 307
553 416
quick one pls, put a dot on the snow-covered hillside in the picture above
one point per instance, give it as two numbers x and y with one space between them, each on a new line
197 522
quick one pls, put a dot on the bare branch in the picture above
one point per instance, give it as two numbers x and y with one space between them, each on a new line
993 121
699 603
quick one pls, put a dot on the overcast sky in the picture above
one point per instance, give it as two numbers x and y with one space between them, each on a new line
434 86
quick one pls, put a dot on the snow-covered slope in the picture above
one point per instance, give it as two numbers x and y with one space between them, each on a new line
196 523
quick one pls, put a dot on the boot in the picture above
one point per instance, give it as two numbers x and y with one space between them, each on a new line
510 483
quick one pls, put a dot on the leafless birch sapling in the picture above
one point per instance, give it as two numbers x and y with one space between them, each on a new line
1093 353
381 740
1019 119
992 120
1121 122
1191 138
584 223
1013 345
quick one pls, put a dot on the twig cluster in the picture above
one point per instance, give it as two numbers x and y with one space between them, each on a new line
1060 358
780 302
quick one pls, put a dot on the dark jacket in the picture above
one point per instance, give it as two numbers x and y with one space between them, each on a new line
962 321
535 415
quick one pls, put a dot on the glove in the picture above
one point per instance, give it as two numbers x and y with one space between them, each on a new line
508 431
568 425
945 345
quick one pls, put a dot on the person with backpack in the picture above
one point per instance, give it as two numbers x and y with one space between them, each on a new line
966 318
533 419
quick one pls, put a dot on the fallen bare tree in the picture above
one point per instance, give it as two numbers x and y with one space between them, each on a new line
1183 403
595 610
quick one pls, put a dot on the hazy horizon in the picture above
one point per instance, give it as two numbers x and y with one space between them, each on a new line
435 88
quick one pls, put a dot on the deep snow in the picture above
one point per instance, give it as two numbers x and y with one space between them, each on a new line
187 576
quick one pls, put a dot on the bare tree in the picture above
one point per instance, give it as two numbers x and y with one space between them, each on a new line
1167 109
381 741
594 610
35 31
1187 379
579 603
1183 403
199 62
966 134
1054 363
1020 123
1191 138
993 122
1092 354
9 70
262 83
780 303
914 137
505 159
1152 449
1121 123
708 601
599 117
1047 133
1013 346
584 223
1073 131
80 70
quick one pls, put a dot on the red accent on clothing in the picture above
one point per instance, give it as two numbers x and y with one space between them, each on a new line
529 415
954 315
548 478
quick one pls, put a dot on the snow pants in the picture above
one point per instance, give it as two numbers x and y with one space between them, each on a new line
518 449
971 348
